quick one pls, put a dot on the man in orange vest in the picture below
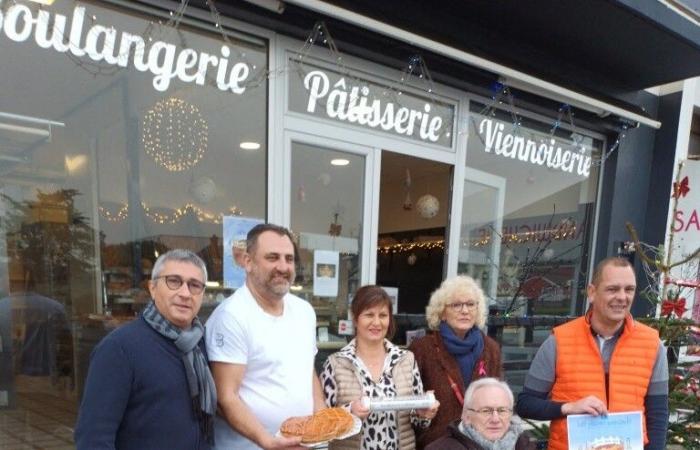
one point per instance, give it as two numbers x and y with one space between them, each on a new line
602 362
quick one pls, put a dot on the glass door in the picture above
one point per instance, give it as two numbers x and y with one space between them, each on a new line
328 212
413 222
480 228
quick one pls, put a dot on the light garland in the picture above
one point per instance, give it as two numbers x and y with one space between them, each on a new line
175 134
119 216
554 234
168 218
407 247
416 67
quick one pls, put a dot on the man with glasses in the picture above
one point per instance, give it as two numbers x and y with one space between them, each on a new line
602 362
149 384
262 343
486 421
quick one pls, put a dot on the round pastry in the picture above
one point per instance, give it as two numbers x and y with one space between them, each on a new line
294 426
325 425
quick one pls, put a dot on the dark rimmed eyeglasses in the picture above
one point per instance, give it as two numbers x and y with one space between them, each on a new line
502 412
174 282
457 307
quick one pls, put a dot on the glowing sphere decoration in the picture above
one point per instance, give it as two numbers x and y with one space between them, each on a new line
175 134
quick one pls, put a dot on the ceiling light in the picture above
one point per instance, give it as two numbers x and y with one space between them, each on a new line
250 145
340 162
213 284
296 287
43 2
75 163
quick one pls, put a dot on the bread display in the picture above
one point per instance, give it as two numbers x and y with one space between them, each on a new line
324 425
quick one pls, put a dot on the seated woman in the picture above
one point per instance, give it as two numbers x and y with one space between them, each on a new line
486 421
456 351
371 366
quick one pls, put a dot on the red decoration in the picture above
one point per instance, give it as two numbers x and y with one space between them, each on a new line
670 306
681 189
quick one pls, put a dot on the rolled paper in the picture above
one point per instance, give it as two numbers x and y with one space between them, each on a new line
399 403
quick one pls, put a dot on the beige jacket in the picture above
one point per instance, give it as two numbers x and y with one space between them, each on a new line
349 388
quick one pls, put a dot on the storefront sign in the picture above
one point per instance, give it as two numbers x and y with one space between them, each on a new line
534 148
106 45
324 93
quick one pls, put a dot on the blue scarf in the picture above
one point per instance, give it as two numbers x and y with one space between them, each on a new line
466 351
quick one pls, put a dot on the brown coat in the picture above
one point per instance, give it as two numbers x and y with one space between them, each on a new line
435 364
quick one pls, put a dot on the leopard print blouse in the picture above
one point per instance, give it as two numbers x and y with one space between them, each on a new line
380 428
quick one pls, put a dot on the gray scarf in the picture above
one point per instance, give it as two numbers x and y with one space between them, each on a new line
507 442
200 382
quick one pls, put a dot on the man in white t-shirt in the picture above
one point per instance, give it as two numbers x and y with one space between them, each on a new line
261 343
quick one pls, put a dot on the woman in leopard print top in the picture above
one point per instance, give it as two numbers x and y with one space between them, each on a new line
371 366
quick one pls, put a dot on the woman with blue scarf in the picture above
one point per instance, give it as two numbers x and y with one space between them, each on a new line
455 351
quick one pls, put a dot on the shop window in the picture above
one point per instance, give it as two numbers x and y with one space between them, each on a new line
110 155
527 219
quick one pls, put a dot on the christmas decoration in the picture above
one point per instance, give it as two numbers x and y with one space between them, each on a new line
428 206
411 260
335 228
175 134
410 246
203 189
168 218
679 334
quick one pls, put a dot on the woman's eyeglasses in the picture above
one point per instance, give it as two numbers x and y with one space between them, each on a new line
174 282
502 412
457 307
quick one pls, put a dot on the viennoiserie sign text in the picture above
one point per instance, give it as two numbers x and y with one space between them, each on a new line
547 151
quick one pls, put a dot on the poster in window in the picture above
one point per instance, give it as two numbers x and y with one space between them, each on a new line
235 232
615 431
326 273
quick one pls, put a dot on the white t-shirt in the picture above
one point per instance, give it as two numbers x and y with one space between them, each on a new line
279 356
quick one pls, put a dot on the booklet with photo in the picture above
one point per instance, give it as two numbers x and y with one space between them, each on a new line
616 431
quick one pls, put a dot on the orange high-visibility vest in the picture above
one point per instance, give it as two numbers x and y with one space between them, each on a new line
580 371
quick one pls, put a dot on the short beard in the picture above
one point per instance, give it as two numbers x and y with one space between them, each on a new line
279 289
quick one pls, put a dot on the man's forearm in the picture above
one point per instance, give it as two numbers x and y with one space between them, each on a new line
536 405
319 397
656 415
242 419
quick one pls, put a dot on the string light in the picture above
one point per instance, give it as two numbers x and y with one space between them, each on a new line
407 247
559 233
175 134
169 218
416 67
119 216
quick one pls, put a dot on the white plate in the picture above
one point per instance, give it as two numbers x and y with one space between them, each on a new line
356 427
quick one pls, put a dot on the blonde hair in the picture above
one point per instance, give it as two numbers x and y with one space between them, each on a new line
461 285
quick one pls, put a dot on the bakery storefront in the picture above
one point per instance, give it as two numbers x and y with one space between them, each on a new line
126 131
